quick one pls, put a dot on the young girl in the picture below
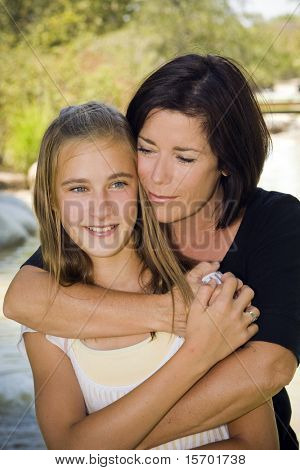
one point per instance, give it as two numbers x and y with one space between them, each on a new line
97 228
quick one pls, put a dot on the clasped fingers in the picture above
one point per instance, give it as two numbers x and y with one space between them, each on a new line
246 295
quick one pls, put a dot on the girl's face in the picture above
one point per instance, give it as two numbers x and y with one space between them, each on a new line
176 165
97 190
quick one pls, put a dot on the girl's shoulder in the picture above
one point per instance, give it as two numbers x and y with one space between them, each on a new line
61 343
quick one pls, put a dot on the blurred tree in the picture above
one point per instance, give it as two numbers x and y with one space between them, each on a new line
71 51
287 46
52 23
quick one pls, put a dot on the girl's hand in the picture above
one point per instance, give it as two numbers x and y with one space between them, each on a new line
193 277
215 329
218 288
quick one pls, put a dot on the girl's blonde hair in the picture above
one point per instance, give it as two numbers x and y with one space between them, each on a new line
64 259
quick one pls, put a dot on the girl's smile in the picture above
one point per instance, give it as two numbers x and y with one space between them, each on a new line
104 231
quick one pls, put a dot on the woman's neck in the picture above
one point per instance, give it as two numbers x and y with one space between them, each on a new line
196 237
189 231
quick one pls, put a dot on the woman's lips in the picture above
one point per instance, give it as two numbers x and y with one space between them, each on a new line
155 198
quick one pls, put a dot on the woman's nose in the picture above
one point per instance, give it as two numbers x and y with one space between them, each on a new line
161 174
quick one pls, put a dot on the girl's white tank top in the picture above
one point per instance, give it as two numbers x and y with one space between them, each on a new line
105 376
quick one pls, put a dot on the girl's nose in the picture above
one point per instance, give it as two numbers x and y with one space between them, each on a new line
102 208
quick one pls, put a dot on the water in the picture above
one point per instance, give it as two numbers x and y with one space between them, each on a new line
18 428
282 168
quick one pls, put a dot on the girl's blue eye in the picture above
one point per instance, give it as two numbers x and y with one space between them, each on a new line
119 184
78 187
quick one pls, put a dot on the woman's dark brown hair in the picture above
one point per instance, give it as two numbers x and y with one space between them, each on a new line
214 89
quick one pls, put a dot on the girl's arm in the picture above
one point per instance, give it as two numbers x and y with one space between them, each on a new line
123 424
60 406
255 430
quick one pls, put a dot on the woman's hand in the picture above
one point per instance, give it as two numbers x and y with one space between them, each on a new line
216 328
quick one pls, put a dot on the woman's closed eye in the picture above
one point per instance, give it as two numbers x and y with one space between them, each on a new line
178 157
144 151
185 160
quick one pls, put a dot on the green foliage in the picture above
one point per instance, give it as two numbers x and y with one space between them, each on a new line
70 51
27 125
53 23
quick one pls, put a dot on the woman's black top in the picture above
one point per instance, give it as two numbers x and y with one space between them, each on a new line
265 255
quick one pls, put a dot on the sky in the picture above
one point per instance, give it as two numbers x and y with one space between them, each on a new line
267 8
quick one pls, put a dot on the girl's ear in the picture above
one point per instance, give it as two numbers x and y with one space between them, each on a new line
53 205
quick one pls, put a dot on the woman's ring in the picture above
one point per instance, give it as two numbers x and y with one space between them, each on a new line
254 316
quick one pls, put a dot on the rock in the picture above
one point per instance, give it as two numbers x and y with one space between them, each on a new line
9 180
17 221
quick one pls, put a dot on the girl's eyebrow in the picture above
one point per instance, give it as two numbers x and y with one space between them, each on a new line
181 149
121 174
72 180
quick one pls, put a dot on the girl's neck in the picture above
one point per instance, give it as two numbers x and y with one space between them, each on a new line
120 271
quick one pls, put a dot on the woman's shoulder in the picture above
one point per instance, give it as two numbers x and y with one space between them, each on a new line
264 201
273 210
271 217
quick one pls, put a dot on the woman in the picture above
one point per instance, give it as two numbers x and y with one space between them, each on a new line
90 393
205 104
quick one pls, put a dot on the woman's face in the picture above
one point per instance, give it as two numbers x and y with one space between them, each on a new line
96 189
176 165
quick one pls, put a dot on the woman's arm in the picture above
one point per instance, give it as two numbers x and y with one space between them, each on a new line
258 371
85 311
255 430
